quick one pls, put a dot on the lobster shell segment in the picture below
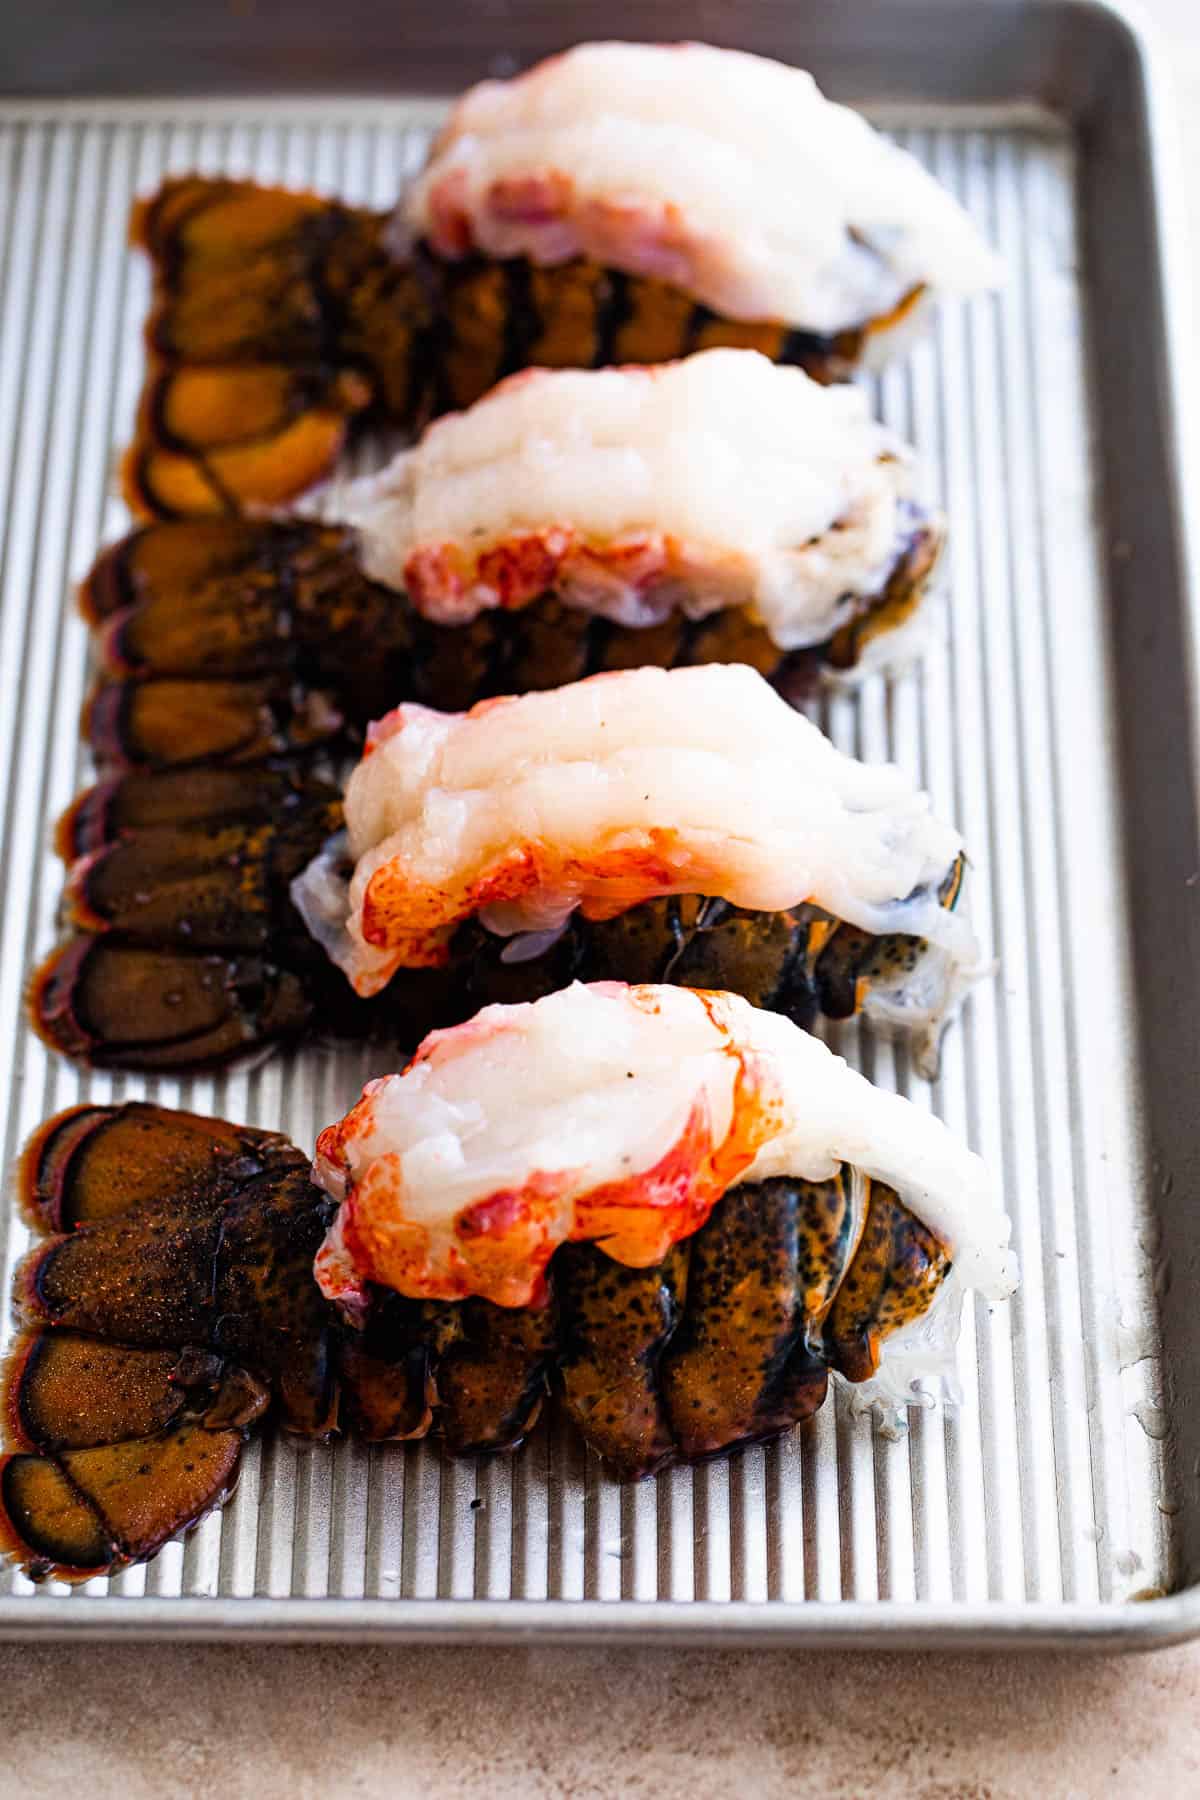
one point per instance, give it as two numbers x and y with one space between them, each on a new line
171 722
88 1512
96 1162
116 1006
255 376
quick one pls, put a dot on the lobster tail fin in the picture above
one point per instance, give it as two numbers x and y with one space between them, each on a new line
88 1512
279 320
160 1323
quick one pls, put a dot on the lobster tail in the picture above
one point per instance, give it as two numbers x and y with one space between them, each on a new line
188 952
178 1308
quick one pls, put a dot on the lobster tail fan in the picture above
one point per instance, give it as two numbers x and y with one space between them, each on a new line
170 1303
278 322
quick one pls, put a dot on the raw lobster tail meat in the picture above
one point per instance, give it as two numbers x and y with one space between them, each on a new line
684 161
623 788
618 204
614 1114
170 1304
719 482
202 901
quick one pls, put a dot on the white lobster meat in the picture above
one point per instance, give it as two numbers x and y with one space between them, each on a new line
722 480
613 791
728 175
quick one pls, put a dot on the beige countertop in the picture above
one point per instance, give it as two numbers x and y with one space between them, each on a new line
96 1720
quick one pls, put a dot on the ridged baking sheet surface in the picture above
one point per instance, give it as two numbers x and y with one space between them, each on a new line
1044 1482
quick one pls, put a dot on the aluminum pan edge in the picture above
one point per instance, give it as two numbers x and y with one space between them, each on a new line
1176 1617
889 1625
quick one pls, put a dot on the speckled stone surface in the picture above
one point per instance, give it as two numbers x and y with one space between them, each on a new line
96 1721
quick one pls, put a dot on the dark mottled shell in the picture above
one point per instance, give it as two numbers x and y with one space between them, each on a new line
613 1326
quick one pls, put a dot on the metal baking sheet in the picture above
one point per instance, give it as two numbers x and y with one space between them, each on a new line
1052 719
